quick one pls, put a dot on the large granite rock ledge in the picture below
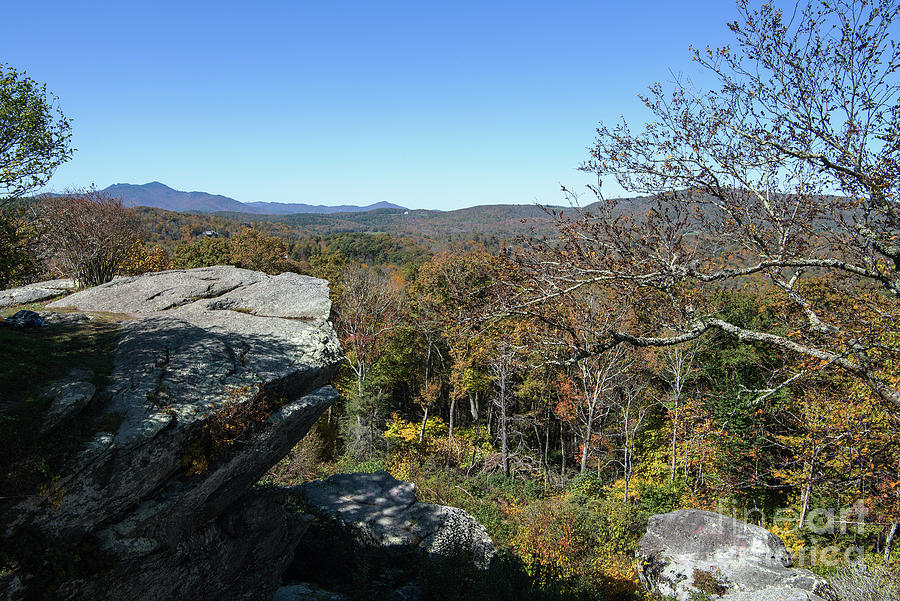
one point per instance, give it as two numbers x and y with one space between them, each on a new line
217 373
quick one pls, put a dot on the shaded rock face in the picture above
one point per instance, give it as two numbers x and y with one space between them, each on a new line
205 399
70 396
750 563
383 512
239 555
372 525
304 592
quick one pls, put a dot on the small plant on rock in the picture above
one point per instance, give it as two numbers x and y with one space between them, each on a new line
710 582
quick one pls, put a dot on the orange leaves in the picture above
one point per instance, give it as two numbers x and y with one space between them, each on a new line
566 393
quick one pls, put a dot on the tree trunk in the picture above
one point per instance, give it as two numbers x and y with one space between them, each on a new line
587 440
490 420
504 441
371 450
504 431
473 407
889 540
547 443
627 459
674 442
562 451
426 396
807 490
452 414
424 421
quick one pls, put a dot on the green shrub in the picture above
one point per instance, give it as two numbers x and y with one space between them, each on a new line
660 498
586 485
348 464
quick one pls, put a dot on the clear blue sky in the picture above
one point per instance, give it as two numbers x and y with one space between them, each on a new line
428 105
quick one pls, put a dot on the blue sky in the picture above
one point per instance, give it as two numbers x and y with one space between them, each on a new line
422 104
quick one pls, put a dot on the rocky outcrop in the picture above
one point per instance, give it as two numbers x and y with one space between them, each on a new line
372 525
288 295
689 551
69 395
33 293
304 592
383 512
217 373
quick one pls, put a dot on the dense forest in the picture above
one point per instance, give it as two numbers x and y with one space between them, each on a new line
451 381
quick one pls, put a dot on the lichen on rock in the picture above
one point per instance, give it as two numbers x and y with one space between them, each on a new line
183 361
684 551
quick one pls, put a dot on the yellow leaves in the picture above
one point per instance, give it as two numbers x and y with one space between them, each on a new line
407 432
790 534
402 466
238 393
142 259
197 465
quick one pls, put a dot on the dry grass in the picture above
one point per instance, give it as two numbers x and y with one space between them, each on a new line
866 582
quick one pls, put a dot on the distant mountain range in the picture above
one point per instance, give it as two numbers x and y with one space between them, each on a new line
161 196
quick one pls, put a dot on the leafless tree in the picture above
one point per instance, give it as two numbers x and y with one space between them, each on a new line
503 368
632 408
784 175
88 234
597 377
366 313
678 366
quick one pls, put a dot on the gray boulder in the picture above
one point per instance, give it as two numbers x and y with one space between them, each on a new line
383 512
202 400
33 293
69 395
751 563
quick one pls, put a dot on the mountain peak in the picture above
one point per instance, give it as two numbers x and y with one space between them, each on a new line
158 195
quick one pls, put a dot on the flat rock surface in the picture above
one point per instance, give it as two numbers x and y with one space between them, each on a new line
275 326
286 295
751 561
33 293
773 594
222 287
